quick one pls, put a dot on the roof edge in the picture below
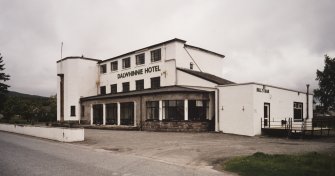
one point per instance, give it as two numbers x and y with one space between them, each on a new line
185 71
78 57
204 50
260 84
148 47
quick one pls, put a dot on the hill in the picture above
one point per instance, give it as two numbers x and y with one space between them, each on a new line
23 95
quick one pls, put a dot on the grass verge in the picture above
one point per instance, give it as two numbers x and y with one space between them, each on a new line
309 164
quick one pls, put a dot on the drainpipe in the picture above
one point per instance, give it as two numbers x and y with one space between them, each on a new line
307 85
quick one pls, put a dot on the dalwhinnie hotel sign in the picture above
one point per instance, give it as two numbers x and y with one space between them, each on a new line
139 72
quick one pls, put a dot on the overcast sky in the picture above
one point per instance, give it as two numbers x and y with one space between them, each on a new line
273 42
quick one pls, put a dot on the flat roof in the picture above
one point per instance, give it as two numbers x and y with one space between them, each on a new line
260 84
162 43
167 89
145 48
78 57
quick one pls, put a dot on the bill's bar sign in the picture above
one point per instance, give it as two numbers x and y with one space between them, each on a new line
139 72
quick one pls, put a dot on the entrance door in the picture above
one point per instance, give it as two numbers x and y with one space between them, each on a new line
266 114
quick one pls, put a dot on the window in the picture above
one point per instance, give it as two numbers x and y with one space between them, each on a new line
156 55
298 112
126 63
114 66
82 111
73 111
155 82
103 90
97 114
140 84
125 87
152 109
114 88
197 110
173 109
140 59
103 68
127 113
111 114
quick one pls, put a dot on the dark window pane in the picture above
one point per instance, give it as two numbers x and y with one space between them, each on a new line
155 82
140 59
126 63
127 113
73 110
114 88
152 110
156 55
111 114
125 87
114 66
103 68
140 84
103 90
197 110
297 111
97 114
173 110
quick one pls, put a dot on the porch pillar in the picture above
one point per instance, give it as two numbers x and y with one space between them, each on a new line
104 114
118 114
134 113
186 109
91 114
160 113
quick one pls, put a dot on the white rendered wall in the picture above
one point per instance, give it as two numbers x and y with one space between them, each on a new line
233 99
207 62
80 77
167 69
236 110
58 134
281 106
185 79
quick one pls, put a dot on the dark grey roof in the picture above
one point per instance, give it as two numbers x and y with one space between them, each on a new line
206 76
78 57
167 89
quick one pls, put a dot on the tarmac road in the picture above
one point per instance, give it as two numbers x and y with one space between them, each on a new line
24 155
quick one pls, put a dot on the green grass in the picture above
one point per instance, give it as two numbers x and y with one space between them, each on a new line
310 164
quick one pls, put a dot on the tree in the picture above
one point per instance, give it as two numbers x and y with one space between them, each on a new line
326 91
3 87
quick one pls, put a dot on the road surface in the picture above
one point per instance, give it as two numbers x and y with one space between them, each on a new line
24 155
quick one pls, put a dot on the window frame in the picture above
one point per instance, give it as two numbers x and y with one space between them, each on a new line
124 63
72 111
113 91
170 110
113 65
154 82
152 110
103 68
138 58
102 90
125 84
301 108
156 55
139 83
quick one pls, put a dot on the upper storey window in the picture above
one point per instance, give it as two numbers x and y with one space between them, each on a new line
140 59
103 68
156 55
126 63
114 66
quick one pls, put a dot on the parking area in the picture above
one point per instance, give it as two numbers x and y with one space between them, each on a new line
196 149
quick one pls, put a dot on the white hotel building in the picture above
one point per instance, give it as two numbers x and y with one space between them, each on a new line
170 86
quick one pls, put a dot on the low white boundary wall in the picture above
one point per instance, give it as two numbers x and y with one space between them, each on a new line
58 134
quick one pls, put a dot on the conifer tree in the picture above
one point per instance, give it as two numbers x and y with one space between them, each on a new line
3 87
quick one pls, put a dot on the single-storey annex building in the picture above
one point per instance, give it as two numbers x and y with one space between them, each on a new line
170 86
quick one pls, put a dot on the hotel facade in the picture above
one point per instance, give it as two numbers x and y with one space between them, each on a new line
170 86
